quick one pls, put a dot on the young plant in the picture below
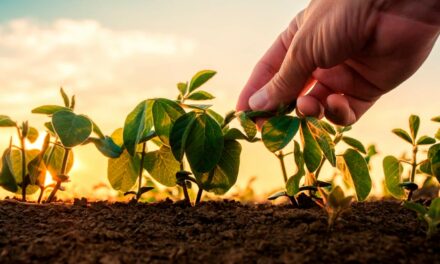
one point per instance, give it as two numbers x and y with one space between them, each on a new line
69 130
429 216
393 168
334 204
318 146
15 176
180 129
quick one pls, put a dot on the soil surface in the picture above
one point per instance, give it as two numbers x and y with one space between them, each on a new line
213 232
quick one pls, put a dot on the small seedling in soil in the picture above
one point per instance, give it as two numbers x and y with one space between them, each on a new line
429 216
184 133
393 166
15 175
318 140
334 204
69 130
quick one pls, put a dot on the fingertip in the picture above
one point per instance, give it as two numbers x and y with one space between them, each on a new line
309 106
338 110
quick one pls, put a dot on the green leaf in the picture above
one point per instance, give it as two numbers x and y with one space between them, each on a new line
434 209
165 113
97 130
15 162
437 135
7 179
137 123
49 109
179 134
49 127
225 173
393 176
123 172
5 121
235 134
425 140
355 170
53 158
106 146
216 116
201 107
32 134
200 78
278 131
324 141
36 167
410 186
71 129
418 208
183 88
327 127
312 152
292 185
277 195
402 134
414 124
249 127
434 158
65 97
162 166
425 167
200 95
436 119
356 144
118 137
204 145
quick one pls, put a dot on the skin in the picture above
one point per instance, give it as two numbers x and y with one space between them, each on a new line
338 57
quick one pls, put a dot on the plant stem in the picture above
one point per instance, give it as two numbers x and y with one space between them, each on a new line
24 180
63 172
413 169
321 164
141 170
280 157
185 192
40 196
199 195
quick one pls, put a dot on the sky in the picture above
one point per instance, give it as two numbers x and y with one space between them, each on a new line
114 54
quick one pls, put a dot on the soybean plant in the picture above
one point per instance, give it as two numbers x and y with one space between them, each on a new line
15 175
69 130
184 133
318 141
395 183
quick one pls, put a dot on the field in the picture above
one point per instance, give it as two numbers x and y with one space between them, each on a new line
222 232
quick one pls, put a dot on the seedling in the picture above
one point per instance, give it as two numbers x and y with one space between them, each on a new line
429 216
69 130
185 133
16 159
318 140
393 166
334 204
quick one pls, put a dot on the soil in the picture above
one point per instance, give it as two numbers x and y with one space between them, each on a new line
213 232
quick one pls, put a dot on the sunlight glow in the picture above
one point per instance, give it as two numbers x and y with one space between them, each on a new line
48 180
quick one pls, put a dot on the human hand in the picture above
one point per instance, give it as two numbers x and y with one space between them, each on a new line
337 58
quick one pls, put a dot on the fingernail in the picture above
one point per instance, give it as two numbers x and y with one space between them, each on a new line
259 100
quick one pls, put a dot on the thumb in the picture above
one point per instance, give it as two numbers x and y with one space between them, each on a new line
288 83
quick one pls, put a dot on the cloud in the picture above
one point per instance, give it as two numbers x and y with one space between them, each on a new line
85 57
